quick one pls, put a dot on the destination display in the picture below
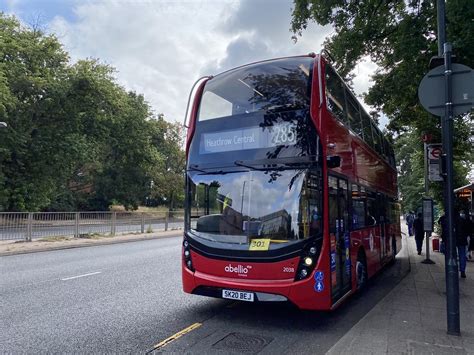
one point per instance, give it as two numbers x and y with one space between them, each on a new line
248 138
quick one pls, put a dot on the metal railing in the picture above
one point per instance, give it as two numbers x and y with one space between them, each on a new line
33 225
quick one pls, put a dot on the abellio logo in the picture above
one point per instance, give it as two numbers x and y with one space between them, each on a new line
239 269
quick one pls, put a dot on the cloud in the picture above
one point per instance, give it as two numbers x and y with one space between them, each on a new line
244 49
363 81
260 30
160 48
271 20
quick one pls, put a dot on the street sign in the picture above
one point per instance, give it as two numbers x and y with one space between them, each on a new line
426 137
431 91
428 214
433 152
434 171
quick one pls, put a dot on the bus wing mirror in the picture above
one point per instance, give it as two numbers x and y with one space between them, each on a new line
333 161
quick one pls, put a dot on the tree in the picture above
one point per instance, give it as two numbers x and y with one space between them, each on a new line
400 37
168 179
76 139
116 124
32 68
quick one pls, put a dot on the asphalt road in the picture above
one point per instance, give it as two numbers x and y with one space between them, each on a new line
125 298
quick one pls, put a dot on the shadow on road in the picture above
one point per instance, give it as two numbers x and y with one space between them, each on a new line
282 326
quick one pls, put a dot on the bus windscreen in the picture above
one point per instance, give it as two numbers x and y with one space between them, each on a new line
272 86
237 207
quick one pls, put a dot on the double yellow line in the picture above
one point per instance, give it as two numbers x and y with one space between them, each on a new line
178 335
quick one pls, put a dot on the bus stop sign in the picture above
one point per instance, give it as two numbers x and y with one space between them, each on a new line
433 156
431 90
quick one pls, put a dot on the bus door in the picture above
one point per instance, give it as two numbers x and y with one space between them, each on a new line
339 237
382 218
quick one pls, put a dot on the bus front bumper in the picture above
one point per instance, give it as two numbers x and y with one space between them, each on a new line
302 293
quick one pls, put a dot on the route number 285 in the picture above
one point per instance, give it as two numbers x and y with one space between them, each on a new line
284 134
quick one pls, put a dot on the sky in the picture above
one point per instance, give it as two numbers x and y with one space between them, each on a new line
160 47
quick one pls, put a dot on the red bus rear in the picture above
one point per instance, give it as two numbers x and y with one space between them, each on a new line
290 187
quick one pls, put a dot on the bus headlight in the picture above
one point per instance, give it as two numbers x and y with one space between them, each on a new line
309 259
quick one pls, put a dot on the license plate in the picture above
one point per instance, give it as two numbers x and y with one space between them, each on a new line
237 295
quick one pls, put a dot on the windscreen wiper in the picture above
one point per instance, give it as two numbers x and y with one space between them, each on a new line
277 163
194 167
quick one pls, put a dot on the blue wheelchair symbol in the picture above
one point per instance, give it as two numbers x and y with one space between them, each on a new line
319 276
319 287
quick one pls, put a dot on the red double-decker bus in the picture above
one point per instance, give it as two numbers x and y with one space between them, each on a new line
290 187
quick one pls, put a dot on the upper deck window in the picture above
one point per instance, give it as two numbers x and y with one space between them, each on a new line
345 107
335 95
353 113
278 85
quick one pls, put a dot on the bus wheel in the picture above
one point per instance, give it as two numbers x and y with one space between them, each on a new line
361 272
394 247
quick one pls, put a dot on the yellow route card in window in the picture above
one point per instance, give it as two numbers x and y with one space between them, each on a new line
259 244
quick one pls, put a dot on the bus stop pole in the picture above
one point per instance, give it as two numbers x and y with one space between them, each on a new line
452 281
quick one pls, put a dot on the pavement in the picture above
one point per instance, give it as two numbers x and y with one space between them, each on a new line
411 319
11 247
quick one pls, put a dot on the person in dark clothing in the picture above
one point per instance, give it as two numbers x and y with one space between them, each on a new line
410 218
461 228
444 233
419 233
471 238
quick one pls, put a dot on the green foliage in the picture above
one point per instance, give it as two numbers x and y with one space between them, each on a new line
399 36
168 178
75 138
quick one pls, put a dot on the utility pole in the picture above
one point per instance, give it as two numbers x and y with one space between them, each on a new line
447 90
452 281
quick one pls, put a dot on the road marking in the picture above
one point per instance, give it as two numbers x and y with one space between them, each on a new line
176 336
84 275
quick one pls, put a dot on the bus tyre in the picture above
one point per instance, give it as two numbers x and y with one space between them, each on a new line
361 272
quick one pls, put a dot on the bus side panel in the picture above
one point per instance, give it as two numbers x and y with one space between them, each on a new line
367 240
188 279
396 231
305 294
356 245
370 241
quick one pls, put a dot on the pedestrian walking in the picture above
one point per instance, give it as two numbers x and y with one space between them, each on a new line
444 233
461 228
419 233
410 219
471 238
